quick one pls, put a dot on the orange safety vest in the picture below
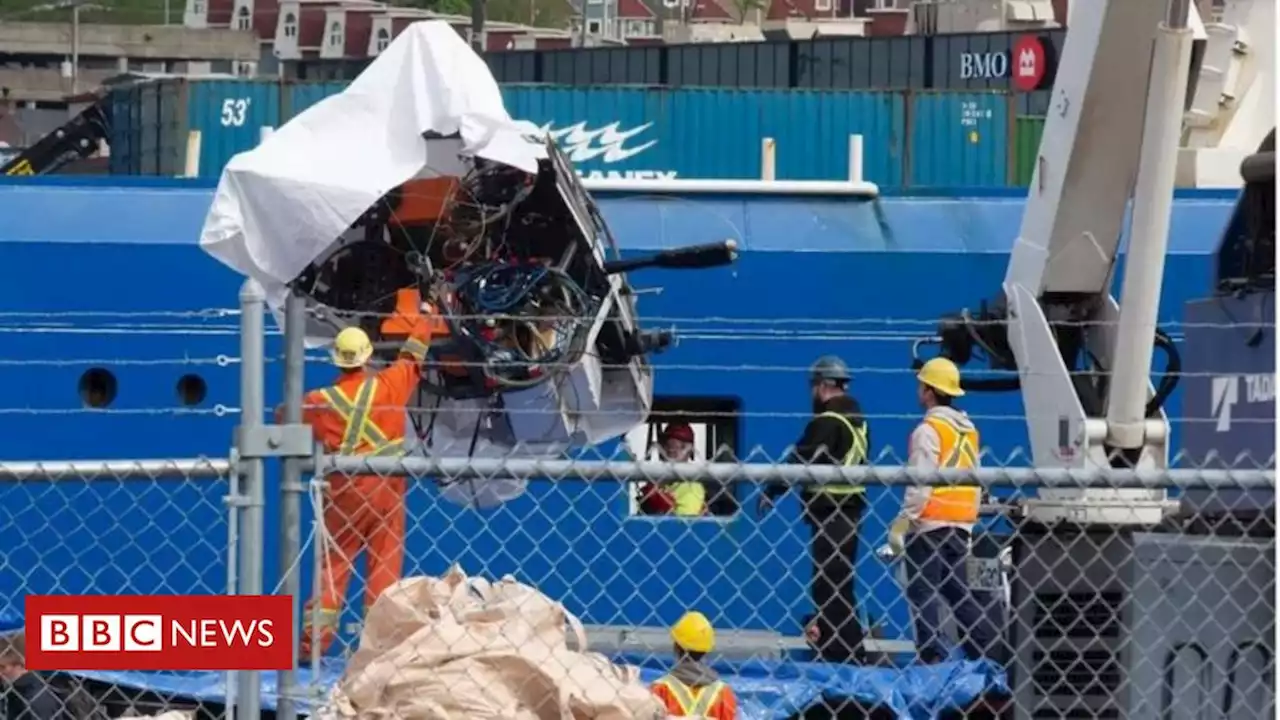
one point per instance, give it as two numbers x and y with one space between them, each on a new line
364 413
709 701
958 451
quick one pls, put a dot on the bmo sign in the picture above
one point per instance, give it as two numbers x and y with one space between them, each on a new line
1024 65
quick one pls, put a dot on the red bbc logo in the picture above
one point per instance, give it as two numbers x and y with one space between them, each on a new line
159 632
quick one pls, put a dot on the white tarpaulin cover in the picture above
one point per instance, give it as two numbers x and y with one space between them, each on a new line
280 206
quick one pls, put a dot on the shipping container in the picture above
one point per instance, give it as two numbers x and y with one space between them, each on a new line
714 133
737 65
856 63
1033 104
229 114
300 96
968 61
1017 61
126 130
602 66
959 139
1026 148
916 139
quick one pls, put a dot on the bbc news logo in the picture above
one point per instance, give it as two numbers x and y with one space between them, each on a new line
159 632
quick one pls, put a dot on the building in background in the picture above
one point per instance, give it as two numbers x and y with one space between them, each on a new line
938 17
335 39
649 22
41 63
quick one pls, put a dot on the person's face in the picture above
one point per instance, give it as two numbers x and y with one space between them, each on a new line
815 392
922 395
677 450
11 671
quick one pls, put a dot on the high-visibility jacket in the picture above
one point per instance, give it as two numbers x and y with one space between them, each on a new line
958 450
715 701
685 499
857 454
364 413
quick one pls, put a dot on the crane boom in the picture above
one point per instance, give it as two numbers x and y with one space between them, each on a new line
1082 359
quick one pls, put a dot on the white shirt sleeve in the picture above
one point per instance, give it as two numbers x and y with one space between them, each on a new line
926 445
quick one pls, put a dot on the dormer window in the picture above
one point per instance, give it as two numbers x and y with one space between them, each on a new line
290 25
244 21
335 34
383 40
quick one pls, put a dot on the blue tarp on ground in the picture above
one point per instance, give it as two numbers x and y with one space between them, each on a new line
766 690
9 621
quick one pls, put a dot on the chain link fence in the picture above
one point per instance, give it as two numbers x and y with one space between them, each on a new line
817 610
141 525
1149 602
1075 620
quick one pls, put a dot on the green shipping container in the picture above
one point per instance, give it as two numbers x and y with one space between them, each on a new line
1026 147
151 138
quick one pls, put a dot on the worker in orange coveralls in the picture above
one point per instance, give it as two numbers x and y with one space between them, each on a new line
692 688
363 413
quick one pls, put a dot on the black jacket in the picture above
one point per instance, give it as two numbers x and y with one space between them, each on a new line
31 697
826 440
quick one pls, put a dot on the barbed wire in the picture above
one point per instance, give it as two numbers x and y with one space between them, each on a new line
931 323
887 467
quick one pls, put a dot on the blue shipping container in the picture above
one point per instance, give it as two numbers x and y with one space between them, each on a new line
717 133
151 123
960 140
230 115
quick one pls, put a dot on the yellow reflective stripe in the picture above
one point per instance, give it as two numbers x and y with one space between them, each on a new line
338 401
415 348
858 448
359 414
392 447
707 697
857 453
962 449
328 617
681 693
369 430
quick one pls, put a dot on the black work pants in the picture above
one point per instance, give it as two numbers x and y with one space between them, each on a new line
834 521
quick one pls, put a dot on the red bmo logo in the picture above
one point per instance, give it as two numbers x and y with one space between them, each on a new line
158 632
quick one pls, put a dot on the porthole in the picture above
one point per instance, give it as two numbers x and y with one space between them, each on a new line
192 390
98 388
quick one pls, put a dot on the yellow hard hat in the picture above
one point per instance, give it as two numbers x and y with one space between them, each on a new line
942 375
351 349
694 633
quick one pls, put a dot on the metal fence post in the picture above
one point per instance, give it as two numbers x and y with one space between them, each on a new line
252 361
291 486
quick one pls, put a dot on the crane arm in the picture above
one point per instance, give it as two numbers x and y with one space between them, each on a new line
1082 359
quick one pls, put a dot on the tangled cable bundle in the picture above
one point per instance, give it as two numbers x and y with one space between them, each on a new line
525 317
502 254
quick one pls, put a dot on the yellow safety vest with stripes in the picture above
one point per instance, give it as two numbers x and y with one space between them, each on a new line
958 450
693 702
856 456
361 436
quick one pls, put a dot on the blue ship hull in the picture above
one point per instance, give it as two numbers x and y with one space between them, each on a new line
859 279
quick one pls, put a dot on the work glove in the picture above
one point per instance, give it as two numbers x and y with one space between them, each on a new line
887 553
896 543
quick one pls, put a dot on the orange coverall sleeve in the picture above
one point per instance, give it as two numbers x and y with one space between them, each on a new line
402 376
